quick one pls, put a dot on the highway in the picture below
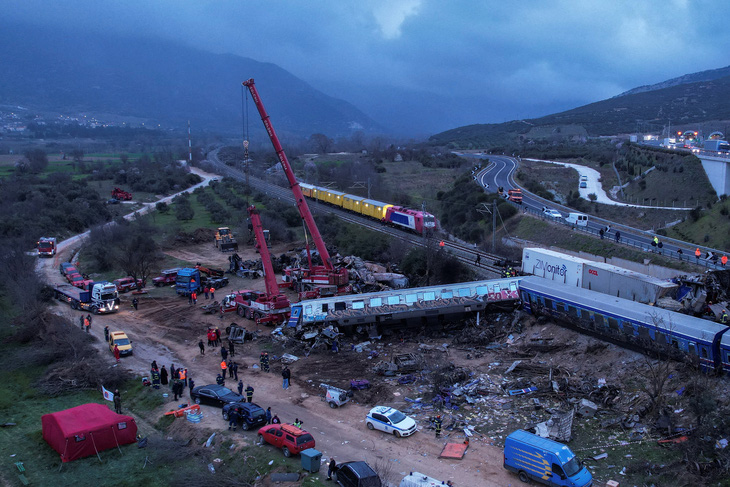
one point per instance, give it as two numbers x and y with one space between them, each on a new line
499 171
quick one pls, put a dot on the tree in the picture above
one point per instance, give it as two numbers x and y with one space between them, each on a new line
593 197
37 160
321 143
137 252
77 155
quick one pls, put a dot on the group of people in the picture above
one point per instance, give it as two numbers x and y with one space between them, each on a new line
209 290
176 378
85 322
264 361
214 337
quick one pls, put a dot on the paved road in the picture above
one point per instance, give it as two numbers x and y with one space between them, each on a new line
499 171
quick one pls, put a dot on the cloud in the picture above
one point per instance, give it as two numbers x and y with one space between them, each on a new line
390 15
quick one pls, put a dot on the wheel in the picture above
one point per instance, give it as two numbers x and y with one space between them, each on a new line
245 426
396 434
241 311
225 415
261 440
286 451
197 400
370 426
74 305
523 477
95 310
333 405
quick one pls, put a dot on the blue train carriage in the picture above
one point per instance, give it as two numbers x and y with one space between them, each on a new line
406 306
639 326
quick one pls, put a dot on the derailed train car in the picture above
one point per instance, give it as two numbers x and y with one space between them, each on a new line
406 307
405 218
639 326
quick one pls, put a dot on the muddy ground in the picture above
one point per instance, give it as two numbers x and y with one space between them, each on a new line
167 329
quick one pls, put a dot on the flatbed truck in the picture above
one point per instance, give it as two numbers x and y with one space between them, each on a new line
101 297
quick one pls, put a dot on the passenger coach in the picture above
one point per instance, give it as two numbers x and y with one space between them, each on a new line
402 307
641 326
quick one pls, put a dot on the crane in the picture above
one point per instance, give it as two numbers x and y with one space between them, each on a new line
272 307
315 276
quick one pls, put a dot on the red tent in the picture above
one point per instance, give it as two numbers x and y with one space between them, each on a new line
87 429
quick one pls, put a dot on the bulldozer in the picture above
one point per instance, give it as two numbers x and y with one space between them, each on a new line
225 241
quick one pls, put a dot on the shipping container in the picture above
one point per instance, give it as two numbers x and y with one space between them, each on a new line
553 265
624 283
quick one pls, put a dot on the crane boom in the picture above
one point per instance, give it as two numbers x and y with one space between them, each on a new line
272 288
296 189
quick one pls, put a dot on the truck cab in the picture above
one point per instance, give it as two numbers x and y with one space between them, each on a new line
47 246
187 281
545 461
167 276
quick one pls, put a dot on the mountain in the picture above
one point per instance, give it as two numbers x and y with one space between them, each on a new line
162 83
684 103
709 75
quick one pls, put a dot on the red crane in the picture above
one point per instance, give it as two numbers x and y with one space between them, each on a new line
315 276
272 307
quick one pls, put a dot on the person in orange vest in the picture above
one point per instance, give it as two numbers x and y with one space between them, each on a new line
441 244
224 367
194 296
698 252
724 260
184 376
212 292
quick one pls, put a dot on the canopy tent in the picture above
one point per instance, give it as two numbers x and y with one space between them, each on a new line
87 429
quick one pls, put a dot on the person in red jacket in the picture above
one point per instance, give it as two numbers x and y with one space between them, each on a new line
116 353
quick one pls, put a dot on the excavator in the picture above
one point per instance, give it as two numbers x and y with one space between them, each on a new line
316 280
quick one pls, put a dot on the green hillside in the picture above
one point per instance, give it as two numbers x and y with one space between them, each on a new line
684 105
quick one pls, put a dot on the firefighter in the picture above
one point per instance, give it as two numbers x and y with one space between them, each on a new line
233 419
266 362
219 380
698 253
723 317
438 423
249 393
155 379
224 367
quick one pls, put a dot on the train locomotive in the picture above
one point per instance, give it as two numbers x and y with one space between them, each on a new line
639 326
398 216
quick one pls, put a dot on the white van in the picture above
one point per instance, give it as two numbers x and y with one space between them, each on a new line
578 219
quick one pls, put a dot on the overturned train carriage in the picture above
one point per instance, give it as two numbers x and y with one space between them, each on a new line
638 326
407 307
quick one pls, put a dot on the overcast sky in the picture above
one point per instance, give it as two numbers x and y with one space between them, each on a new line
477 61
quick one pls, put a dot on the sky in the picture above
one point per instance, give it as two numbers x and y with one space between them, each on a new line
443 63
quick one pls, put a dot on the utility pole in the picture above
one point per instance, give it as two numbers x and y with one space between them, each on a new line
494 227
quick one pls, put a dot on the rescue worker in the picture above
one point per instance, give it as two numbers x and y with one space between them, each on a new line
219 380
249 393
212 292
723 317
724 260
116 352
230 369
297 423
268 415
87 324
478 260
618 236
205 291
135 303
266 362
233 419
698 253
240 388
275 420
231 348
106 333
183 374
202 346
117 402
224 367
81 321
438 423
155 378
191 383
224 353
234 368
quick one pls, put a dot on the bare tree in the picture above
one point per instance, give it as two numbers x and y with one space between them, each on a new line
321 143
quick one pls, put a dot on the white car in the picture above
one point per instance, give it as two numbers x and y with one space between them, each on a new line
550 213
390 420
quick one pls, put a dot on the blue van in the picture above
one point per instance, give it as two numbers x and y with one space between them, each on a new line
545 461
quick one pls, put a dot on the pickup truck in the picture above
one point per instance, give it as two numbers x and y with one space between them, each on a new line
128 283
166 277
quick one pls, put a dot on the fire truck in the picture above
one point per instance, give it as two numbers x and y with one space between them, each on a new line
47 246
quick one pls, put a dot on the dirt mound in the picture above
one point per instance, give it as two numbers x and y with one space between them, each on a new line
199 235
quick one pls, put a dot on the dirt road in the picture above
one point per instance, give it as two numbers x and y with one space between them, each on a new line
166 329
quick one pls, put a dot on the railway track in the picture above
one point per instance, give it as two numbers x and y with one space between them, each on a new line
466 254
